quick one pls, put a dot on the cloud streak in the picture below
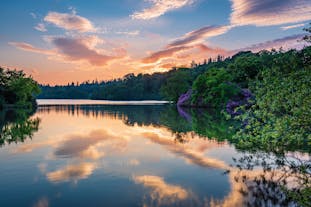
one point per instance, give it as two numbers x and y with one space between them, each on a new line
198 36
269 12
292 26
159 8
189 42
30 48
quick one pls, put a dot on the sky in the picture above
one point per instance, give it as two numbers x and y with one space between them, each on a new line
64 41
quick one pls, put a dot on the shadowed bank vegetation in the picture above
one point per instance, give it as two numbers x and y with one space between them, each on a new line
17 125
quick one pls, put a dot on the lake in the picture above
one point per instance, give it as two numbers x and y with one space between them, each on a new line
87 153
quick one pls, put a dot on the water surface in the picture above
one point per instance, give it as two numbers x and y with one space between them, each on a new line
119 155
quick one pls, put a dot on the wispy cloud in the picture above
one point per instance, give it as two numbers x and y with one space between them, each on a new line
292 26
198 36
160 7
179 53
70 21
33 15
269 12
189 42
129 33
154 57
40 27
31 48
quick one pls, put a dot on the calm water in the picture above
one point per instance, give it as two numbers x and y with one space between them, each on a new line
118 155
53 102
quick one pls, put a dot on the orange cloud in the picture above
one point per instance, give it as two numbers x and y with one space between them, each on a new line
269 12
182 49
184 54
159 8
154 57
70 22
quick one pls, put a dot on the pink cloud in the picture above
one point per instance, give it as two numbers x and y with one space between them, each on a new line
76 49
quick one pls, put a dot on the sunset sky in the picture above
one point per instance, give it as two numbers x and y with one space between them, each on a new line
60 41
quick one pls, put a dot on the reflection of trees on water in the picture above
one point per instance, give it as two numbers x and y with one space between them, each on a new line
274 180
16 126
179 121
129 114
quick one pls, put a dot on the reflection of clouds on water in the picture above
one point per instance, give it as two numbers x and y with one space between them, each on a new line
160 191
134 162
87 146
190 154
42 202
78 147
72 172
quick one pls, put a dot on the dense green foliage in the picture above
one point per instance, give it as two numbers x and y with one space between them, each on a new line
213 88
16 89
178 83
280 117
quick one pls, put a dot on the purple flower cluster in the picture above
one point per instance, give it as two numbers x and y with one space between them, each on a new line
246 93
231 106
243 100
